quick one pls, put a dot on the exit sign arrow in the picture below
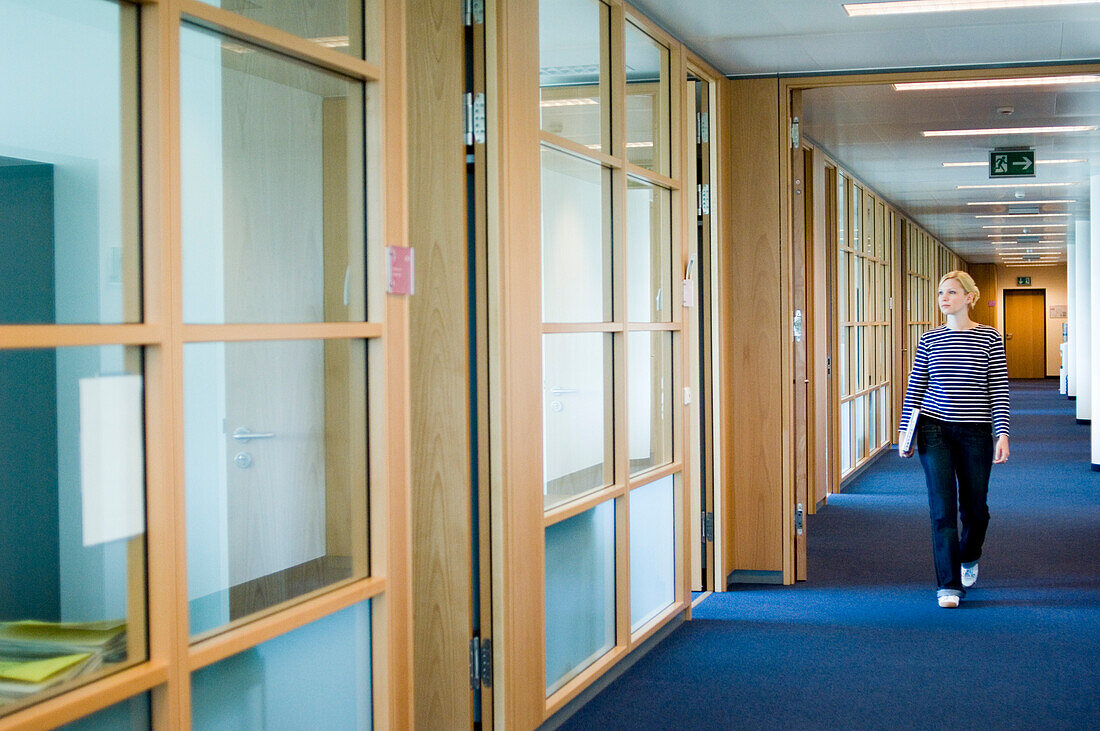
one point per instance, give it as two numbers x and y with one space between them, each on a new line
1012 164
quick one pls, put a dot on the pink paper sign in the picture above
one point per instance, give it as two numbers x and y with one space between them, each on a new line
400 270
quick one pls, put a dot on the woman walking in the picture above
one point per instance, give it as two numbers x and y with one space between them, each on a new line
959 382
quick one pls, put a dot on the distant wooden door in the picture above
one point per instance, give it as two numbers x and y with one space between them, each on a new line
1025 334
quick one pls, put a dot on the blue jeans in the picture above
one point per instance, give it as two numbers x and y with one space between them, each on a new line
962 453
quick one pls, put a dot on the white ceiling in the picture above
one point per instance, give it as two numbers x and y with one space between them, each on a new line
874 131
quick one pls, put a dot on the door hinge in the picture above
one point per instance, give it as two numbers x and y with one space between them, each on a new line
794 133
703 197
475 118
702 127
473 12
798 519
828 365
481 663
708 526
796 326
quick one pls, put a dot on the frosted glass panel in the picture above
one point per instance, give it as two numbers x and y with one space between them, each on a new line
316 677
576 239
649 360
647 108
580 593
649 254
652 550
577 423
275 460
69 162
272 186
72 514
573 70
129 715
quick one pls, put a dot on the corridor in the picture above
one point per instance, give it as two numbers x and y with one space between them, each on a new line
863 644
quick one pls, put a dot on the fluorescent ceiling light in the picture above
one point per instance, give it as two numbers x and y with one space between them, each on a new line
1029 249
1015 185
1018 203
1052 264
1031 225
985 163
1020 216
332 41
1008 131
992 83
902 7
577 102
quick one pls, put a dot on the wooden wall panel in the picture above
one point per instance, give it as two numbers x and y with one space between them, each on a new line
439 344
752 314
985 276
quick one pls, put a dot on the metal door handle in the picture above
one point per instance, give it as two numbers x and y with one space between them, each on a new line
242 434
559 391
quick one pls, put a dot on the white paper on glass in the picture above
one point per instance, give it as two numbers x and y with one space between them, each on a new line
112 458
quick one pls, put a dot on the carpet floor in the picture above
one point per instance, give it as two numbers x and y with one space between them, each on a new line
863 643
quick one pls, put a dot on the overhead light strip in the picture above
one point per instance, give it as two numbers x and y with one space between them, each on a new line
1063 129
1022 215
985 163
1019 202
1036 264
907 7
1015 185
1029 225
995 83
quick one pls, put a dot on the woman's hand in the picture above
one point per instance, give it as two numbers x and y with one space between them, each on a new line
905 455
1000 450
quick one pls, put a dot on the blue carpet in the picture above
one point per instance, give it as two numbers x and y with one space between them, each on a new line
863 644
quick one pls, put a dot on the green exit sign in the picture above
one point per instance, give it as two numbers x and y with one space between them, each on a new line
1012 164
1023 281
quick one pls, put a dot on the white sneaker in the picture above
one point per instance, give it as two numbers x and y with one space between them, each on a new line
969 575
949 601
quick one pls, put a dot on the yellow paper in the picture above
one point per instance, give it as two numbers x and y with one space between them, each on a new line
35 671
78 633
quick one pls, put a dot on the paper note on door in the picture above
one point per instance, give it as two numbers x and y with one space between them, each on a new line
112 458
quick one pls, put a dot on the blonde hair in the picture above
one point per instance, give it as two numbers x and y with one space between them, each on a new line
966 281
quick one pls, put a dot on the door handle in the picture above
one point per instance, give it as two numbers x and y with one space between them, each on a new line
557 391
1008 336
243 435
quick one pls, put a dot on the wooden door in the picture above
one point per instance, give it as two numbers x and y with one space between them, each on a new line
1025 333
276 487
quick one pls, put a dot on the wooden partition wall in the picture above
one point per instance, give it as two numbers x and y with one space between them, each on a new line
168 654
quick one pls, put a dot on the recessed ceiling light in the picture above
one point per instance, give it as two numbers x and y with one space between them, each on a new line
1015 185
993 83
1021 215
1008 131
985 163
1018 203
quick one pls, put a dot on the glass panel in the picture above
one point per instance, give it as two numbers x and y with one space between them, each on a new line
652 550
580 593
576 239
68 188
859 434
574 94
275 459
72 518
649 365
272 186
576 414
316 677
647 108
334 24
649 252
131 714
872 421
845 437
841 211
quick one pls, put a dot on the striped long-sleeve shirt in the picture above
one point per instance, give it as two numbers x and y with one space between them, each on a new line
960 375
